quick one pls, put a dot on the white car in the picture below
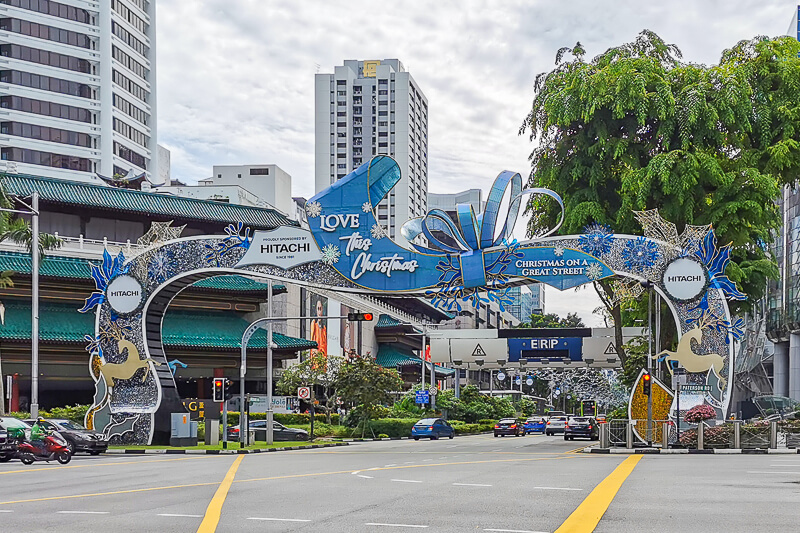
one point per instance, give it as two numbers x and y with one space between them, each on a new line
555 425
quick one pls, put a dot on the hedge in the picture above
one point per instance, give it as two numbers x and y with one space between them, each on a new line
284 418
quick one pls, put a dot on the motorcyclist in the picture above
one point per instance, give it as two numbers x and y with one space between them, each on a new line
38 433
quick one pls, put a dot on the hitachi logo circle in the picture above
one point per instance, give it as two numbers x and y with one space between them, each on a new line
685 278
124 294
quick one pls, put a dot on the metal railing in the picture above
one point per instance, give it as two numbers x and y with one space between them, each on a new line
733 434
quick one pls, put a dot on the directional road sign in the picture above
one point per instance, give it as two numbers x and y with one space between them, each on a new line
423 396
693 389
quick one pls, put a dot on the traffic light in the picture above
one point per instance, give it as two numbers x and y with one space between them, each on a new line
360 317
228 389
218 392
647 381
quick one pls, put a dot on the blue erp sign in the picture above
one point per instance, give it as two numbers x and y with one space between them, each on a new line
553 349
423 396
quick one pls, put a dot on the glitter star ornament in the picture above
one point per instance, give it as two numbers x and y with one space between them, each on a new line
160 232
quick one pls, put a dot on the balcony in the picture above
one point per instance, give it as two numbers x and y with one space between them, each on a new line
84 248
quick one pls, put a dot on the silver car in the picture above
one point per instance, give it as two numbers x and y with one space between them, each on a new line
555 425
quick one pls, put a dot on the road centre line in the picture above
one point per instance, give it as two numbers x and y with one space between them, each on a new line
278 519
289 476
392 525
214 510
585 518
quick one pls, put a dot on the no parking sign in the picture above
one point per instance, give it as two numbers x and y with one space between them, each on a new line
304 393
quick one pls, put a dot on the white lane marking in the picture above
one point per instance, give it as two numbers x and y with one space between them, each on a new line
277 519
365 477
470 485
182 515
786 464
392 525
387 466
83 512
356 472
5 511
555 488
408 462
452 446
514 531
770 472
426 460
407 481
496 449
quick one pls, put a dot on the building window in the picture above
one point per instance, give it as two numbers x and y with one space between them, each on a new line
132 18
43 57
47 159
44 133
129 155
49 33
131 133
127 84
49 109
131 110
259 172
53 9
46 83
130 63
129 39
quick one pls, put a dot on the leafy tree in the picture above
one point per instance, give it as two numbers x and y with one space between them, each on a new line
317 370
552 320
366 384
636 128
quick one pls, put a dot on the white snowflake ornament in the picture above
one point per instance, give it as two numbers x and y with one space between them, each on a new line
366 207
558 251
594 271
377 232
313 209
331 254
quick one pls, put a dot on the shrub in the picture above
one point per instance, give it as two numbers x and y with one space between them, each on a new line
383 436
699 413
393 427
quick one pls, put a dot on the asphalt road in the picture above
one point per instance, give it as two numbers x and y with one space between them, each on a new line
473 483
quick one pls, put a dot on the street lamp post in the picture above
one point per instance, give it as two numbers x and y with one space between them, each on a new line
647 284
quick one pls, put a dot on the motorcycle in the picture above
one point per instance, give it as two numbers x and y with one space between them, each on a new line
55 448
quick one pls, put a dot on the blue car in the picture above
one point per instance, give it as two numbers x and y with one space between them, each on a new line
535 425
432 428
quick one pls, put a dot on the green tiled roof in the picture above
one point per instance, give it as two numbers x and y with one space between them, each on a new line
391 357
75 193
386 321
215 330
76 268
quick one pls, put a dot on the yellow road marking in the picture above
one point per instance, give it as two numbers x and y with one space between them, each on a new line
586 517
214 510
62 467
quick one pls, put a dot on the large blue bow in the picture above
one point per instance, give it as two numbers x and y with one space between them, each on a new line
476 233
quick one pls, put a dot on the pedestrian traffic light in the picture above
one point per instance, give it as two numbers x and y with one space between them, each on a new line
360 317
218 392
647 380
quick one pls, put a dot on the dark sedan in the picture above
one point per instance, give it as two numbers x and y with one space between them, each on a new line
79 439
509 426
581 426
279 432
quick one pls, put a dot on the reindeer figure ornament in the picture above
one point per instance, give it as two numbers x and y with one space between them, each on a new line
688 359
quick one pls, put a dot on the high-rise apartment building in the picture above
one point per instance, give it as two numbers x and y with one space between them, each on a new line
78 88
367 108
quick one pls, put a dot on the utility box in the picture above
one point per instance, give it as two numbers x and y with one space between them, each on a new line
184 431
212 431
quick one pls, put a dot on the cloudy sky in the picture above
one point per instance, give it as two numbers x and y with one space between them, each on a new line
236 77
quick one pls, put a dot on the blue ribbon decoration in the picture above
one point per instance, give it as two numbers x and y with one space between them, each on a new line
477 233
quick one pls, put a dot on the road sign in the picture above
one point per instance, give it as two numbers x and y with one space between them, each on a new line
423 396
478 352
501 376
529 381
693 389
517 380
433 390
304 393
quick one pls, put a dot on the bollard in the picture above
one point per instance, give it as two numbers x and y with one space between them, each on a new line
773 435
629 434
604 436
700 430
665 435
737 434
